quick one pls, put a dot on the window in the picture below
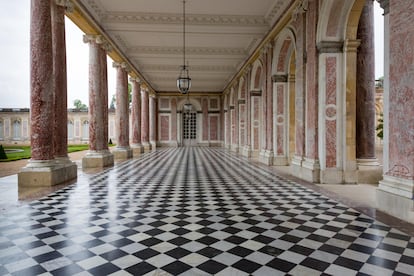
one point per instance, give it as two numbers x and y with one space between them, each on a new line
17 131
70 130
85 130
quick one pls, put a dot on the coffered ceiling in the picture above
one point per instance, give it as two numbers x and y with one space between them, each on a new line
220 36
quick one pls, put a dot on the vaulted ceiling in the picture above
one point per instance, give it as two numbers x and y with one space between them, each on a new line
220 36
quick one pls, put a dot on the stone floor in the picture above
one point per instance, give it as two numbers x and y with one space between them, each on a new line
197 211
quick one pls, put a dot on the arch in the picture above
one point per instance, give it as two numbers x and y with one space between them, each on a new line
257 76
194 102
285 44
242 89
17 129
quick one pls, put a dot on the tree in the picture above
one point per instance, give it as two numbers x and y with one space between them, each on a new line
79 105
113 100
380 126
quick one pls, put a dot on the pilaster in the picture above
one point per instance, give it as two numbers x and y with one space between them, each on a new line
152 121
145 119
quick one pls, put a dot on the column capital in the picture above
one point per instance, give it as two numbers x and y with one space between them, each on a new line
122 65
351 45
135 79
280 78
98 39
330 47
67 4
300 9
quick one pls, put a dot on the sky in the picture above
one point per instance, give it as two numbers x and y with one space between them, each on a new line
14 56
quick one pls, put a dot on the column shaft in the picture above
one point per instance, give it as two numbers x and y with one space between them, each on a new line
41 81
145 118
136 112
60 82
152 121
365 96
122 104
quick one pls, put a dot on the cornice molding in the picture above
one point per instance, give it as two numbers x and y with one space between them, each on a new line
209 68
189 51
276 11
191 19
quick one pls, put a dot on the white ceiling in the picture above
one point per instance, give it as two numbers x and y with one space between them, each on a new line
220 36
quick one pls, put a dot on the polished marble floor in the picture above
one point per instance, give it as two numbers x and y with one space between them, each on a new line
195 211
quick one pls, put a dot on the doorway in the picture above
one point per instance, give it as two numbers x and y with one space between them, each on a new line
189 128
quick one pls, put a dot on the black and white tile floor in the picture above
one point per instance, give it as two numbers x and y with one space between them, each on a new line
195 211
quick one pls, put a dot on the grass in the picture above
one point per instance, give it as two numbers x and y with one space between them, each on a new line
26 153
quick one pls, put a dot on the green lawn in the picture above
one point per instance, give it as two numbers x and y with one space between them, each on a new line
26 153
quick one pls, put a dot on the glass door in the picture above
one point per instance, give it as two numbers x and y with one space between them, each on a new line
189 128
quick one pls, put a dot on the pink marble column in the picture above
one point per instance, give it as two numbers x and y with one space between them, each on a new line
41 82
60 137
136 116
122 105
204 109
98 155
269 104
152 121
145 119
174 121
365 96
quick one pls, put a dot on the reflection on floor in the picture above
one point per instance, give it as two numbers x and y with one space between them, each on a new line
195 211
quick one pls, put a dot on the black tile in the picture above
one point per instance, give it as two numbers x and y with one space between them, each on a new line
301 250
240 251
235 239
349 263
207 240
47 256
176 268
146 253
179 241
67 270
231 230
361 248
113 255
246 266
270 250
332 249
92 243
178 252
81 255
315 264
141 268
104 269
151 241
211 267
263 239
392 248
154 232
382 262
281 265
291 238
33 270
209 252
180 231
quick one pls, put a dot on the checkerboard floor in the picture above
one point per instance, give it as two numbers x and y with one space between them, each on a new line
195 211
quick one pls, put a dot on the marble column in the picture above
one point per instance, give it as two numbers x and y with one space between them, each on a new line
145 120
365 96
42 169
122 149
98 154
136 146
281 119
396 191
152 122
247 150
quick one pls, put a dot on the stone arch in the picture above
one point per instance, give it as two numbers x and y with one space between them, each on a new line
284 96
257 76
337 47
194 102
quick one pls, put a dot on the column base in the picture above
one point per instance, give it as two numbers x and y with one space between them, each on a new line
122 153
147 147
235 148
395 197
369 171
246 151
98 159
137 149
306 169
153 145
332 176
46 173
311 170
266 157
280 161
